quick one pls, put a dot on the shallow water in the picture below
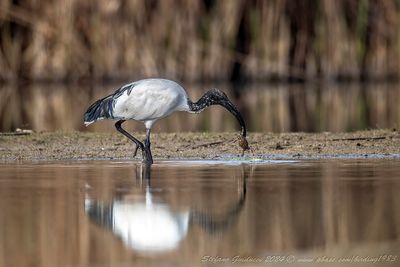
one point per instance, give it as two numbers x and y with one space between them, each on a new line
182 213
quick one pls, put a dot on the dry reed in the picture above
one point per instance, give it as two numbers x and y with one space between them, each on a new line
196 40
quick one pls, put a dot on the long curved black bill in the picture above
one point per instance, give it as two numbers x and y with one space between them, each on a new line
232 109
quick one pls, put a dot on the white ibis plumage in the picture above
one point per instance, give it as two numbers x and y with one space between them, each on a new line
151 99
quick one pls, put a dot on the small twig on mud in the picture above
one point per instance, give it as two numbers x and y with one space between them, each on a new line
359 138
207 144
15 133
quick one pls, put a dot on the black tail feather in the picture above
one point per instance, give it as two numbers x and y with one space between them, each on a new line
101 109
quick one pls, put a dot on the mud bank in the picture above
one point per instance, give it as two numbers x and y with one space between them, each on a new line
79 145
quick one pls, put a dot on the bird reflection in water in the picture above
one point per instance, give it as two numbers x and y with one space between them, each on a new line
151 226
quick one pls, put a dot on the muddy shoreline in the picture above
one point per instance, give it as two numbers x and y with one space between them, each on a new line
102 146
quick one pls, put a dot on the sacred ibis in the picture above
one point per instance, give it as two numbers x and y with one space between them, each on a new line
151 99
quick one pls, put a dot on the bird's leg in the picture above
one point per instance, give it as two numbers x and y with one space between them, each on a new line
118 126
147 140
148 156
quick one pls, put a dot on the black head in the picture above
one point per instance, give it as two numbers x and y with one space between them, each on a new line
217 97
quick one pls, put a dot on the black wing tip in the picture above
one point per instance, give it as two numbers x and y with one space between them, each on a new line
98 110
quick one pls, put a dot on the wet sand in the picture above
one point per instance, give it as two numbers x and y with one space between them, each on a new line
82 145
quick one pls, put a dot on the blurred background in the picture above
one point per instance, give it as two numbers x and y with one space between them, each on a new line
303 65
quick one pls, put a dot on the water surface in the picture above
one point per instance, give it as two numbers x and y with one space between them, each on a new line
103 213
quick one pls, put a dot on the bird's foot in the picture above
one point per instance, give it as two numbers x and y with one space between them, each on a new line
136 149
148 161
147 157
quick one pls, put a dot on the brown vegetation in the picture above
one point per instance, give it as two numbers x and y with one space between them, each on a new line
199 39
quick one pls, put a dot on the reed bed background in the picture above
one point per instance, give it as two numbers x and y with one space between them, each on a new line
199 40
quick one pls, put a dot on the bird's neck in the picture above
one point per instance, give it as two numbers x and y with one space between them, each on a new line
202 103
